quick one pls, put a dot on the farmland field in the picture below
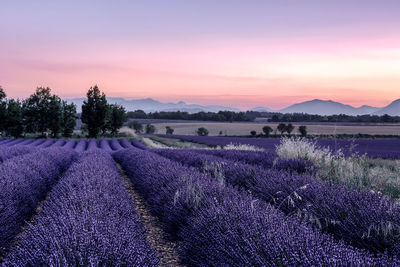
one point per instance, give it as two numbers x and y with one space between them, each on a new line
117 202
244 128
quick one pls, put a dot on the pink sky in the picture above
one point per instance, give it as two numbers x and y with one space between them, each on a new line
354 64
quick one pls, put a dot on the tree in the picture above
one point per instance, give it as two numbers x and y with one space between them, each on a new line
2 94
68 118
14 122
253 133
281 128
267 130
107 126
94 111
202 131
54 117
137 126
116 118
169 130
40 110
150 129
303 130
137 114
289 128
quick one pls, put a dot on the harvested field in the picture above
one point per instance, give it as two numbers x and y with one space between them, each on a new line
244 128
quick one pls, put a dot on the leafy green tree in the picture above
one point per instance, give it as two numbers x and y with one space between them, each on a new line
303 130
137 114
37 110
253 133
202 131
14 122
289 128
107 126
54 116
3 110
94 111
281 128
69 117
150 128
169 130
135 125
267 130
117 117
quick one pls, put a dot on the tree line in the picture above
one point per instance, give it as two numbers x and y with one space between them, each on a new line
303 117
199 116
230 116
46 113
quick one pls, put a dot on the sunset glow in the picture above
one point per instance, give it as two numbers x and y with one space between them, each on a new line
237 53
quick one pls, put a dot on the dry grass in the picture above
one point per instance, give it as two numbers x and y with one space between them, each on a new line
355 172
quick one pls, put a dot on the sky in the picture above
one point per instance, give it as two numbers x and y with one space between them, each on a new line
236 53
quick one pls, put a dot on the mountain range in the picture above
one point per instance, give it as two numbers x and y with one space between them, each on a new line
329 107
316 106
151 105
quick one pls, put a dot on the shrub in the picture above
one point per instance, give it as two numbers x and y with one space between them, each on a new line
202 131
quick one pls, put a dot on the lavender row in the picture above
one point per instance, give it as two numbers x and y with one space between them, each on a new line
220 226
264 159
14 142
79 146
24 182
70 144
105 145
115 145
88 219
361 219
139 145
14 151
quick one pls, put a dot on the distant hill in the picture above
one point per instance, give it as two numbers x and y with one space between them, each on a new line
393 109
151 105
328 107
261 109
316 106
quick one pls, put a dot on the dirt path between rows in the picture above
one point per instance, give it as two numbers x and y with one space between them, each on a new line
155 235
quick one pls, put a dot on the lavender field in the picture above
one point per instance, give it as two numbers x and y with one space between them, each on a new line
118 202
377 148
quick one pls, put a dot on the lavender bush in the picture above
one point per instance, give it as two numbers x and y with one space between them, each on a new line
80 146
115 145
14 142
24 181
88 219
59 143
139 145
37 142
362 219
263 159
10 152
4 141
70 144
26 142
219 226
92 144
105 145
125 143
46 143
